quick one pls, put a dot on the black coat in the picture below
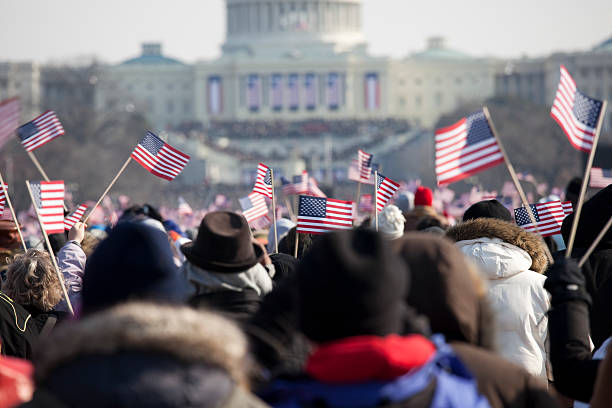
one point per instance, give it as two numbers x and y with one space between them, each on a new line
238 306
18 331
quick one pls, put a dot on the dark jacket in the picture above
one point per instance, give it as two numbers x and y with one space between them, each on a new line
144 355
18 331
444 290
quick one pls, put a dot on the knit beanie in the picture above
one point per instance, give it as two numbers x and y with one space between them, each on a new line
423 196
405 201
350 284
487 209
391 222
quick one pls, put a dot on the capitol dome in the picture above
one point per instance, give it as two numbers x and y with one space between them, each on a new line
292 28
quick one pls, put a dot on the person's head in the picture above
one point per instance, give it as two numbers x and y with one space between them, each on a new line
487 209
9 237
405 201
391 222
350 284
428 221
446 288
31 280
305 241
134 262
572 190
423 196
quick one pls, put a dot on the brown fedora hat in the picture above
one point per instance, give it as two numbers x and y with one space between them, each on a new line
223 244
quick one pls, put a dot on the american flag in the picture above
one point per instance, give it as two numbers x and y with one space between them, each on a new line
3 198
317 215
576 113
49 199
313 188
567 207
465 148
263 181
365 203
549 217
600 178
9 119
253 206
355 175
39 131
76 216
364 161
385 188
287 186
261 223
159 158
300 183
183 207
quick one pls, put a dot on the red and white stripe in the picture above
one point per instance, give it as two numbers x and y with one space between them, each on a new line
52 206
354 174
259 208
3 193
567 207
339 215
167 164
9 119
75 217
49 127
364 170
600 178
260 186
456 160
551 216
385 191
580 135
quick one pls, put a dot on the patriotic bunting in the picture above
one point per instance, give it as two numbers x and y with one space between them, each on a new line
465 148
263 181
159 158
317 215
49 199
39 131
74 217
385 188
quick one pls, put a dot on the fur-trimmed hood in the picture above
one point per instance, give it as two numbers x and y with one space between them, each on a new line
180 333
507 232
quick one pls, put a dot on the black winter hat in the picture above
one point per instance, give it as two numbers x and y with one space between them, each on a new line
351 284
487 209
134 262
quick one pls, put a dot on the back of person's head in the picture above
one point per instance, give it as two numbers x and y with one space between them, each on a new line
391 222
445 288
423 196
32 281
134 262
144 354
351 284
305 242
405 201
428 221
487 209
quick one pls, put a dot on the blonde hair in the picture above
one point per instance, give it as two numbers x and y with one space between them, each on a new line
31 280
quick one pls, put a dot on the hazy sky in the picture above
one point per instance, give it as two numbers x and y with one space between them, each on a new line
44 30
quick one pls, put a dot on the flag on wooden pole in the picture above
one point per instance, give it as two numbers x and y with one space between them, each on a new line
40 130
549 217
49 200
386 188
75 217
159 158
317 215
465 148
253 207
364 161
263 181
575 112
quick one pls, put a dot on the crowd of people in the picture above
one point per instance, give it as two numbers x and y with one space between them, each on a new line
420 313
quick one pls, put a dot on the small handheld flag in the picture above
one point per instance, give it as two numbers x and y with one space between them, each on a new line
39 131
73 218
317 215
364 161
385 189
253 207
576 113
3 198
465 148
9 119
355 175
49 200
600 178
159 158
549 217
263 181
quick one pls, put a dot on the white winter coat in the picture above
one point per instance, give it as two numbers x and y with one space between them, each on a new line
518 298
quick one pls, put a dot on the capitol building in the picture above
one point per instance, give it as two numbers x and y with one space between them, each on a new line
295 60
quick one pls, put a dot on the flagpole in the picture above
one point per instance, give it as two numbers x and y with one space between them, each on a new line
596 242
52 255
274 210
515 180
375 198
42 171
295 248
8 200
585 181
358 192
108 189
